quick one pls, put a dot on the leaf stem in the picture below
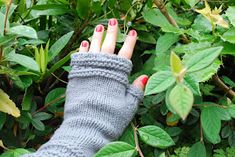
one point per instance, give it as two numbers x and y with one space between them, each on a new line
161 6
137 140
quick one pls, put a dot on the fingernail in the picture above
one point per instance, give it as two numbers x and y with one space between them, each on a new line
132 33
112 22
84 44
99 28
145 80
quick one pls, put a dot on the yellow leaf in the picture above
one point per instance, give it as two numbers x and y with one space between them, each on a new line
206 11
176 65
7 105
2 145
174 123
213 15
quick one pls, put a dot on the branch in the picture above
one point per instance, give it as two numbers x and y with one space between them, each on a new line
48 104
137 141
75 37
161 6
229 92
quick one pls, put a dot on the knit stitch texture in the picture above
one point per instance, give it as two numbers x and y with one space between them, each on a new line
100 103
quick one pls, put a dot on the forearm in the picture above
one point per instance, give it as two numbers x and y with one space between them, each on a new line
99 105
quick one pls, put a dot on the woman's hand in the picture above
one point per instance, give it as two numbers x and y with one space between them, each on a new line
109 44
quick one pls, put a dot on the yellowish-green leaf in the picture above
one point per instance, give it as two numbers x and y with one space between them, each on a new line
42 60
176 64
7 105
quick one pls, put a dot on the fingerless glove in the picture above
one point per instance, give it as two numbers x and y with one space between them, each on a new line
100 103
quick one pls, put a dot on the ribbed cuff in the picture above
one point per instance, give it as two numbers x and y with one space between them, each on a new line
100 64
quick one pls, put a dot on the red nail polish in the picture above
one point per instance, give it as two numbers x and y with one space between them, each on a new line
84 44
112 22
99 28
145 80
132 33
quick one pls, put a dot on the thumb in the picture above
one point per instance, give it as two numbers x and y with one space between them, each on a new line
141 82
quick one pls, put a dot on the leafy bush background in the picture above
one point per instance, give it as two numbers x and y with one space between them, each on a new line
37 38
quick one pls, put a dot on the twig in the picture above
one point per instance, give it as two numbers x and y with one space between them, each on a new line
229 92
6 16
201 134
161 6
75 36
5 26
59 79
48 104
137 141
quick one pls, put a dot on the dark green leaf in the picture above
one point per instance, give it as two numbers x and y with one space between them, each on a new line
58 46
211 124
117 149
197 150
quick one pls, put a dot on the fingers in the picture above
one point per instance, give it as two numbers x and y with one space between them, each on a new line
111 37
84 46
97 39
109 43
141 82
129 44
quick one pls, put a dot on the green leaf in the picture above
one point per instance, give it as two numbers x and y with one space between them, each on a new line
55 97
181 100
232 110
167 101
23 60
192 3
159 82
146 37
2 16
206 73
211 124
83 8
203 58
49 9
155 136
165 41
3 118
15 152
197 150
27 100
117 149
58 64
42 116
6 39
229 36
59 45
155 17
231 14
23 31
192 84
38 124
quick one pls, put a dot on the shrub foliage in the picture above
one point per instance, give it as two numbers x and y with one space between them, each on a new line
187 47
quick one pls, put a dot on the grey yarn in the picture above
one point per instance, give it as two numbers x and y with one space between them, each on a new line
99 105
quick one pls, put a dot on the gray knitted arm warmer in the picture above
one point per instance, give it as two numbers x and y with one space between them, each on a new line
99 105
